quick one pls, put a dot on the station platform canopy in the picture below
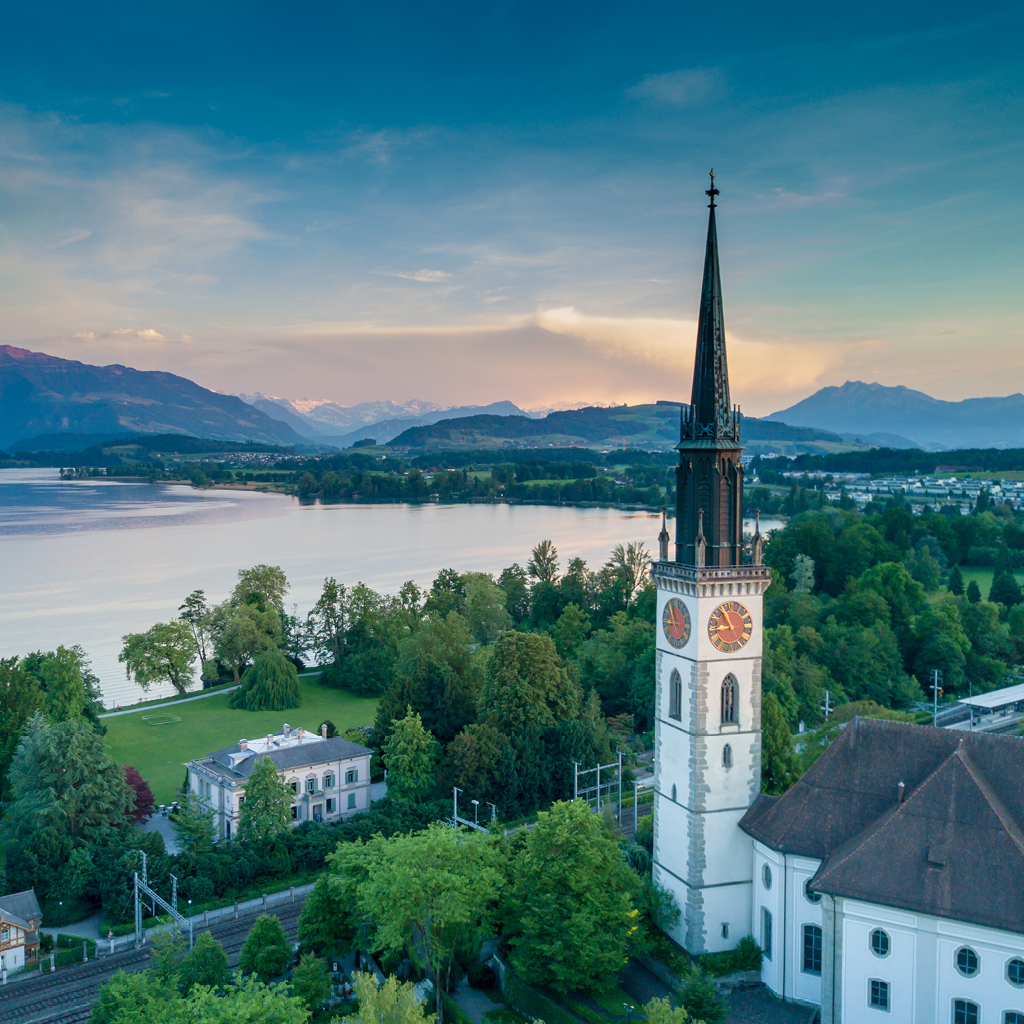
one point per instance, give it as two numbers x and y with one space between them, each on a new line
997 699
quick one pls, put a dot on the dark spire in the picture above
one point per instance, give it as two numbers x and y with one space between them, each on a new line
711 416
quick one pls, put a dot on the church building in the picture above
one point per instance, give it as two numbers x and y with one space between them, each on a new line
888 883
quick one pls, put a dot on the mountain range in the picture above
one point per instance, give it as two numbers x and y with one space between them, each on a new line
42 394
329 423
861 410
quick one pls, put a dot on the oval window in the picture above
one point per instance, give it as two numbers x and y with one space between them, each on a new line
880 942
967 961
766 876
812 896
1015 972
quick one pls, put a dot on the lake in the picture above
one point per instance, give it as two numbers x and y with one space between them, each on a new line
84 562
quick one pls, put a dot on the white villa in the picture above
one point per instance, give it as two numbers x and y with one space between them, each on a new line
329 778
20 918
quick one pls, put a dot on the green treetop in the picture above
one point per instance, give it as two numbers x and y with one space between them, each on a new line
270 683
394 1002
573 916
205 963
267 808
411 755
164 653
267 951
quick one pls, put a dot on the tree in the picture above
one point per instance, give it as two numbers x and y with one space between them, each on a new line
661 1011
267 581
630 564
20 698
326 623
143 804
411 756
570 630
323 927
194 824
432 892
205 963
1005 590
64 782
956 581
573 916
477 761
164 653
485 607
526 683
780 767
310 982
130 999
267 951
270 683
242 632
973 592
543 563
394 1002
193 611
447 594
267 808
515 583
803 574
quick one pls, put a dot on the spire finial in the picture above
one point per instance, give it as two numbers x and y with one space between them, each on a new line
711 192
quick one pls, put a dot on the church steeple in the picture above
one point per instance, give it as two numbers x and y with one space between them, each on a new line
710 415
710 474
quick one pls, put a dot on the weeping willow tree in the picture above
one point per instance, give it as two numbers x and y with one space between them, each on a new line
269 684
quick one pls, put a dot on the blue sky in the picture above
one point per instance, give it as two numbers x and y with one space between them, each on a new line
464 202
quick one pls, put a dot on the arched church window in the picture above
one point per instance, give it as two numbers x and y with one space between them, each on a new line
675 696
727 756
730 695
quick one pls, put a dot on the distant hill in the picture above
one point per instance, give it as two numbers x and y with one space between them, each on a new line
42 394
861 410
638 426
329 423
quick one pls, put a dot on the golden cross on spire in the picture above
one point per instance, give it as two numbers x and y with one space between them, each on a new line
712 192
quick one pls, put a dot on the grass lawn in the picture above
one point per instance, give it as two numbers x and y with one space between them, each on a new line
160 751
983 577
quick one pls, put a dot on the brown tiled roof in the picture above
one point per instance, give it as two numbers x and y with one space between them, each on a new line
20 908
954 847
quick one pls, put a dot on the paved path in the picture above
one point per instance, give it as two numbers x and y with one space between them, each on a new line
167 704
474 1003
87 928
158 822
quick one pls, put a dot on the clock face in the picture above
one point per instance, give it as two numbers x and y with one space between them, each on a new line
730 626
675 621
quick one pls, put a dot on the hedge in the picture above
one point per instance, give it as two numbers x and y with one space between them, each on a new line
532 1003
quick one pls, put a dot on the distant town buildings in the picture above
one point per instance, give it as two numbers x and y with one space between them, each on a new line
329 778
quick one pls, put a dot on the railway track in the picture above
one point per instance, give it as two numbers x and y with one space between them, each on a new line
67 996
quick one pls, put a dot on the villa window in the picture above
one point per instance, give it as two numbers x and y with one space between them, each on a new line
5 934
675 696
730 701
878 994
1015 972
330 805
967 962
965 1012
1013 1017
766 933
295 813
329 780
351 801
352 775
812 949
310 785
294 786
727 756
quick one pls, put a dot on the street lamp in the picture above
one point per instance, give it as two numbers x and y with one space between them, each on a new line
60 903
628 1009
476 811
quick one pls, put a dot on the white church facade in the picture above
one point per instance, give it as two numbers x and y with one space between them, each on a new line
888 883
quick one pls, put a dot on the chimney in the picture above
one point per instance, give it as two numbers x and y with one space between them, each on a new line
298 733
287 730
323 730
900 789
243 744
270 740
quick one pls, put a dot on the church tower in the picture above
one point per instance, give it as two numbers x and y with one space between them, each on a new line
709 629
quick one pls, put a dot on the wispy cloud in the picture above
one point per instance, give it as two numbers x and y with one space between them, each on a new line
423 276
679 88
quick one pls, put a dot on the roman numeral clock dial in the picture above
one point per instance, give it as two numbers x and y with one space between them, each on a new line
675 623
730 626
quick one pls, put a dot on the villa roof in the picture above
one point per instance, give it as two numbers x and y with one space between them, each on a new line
953 846
234 763
20 908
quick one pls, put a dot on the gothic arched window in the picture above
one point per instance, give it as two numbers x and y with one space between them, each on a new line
675 696
730 699
727 756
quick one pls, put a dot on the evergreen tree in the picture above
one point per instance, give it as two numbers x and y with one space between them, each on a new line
310 982
267 951
1005 590
324 927
271 683
268 800
956 581
194 825
205 963
973 592
779 765
411 755
20 698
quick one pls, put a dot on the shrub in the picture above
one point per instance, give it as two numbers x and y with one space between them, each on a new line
481 975
701 1000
